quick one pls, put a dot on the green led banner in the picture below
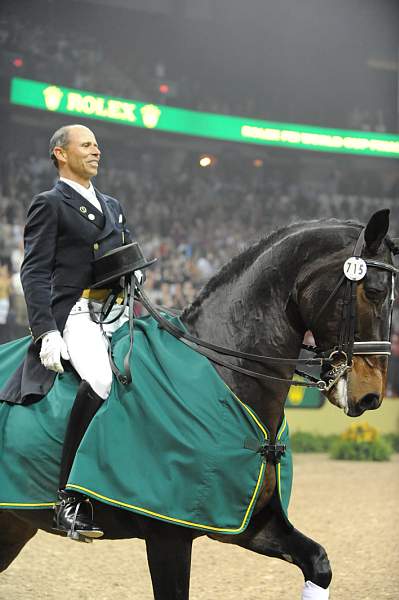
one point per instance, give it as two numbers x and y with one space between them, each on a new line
54 98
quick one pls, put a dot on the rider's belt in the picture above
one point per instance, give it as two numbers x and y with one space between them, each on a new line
100 295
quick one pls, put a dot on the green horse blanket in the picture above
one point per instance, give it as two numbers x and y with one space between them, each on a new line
176 444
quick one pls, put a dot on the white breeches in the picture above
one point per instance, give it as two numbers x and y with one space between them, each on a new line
88 347
4 310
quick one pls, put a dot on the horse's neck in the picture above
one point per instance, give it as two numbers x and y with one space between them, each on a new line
248 313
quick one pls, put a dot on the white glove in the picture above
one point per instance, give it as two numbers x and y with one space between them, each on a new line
53 348
140 276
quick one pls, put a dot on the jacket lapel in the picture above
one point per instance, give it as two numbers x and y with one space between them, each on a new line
85 208
109 217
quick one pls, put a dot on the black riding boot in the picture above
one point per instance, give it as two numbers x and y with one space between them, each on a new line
74 512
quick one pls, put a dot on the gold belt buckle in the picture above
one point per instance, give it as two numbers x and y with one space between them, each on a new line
100 295
96 295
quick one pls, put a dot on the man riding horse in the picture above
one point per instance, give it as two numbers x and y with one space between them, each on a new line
69 227
333 277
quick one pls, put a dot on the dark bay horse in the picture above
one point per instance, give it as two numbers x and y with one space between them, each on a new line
262 302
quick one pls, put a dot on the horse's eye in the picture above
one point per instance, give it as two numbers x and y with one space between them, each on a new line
375 294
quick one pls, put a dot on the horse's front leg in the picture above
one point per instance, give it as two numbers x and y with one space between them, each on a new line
169 560
270 535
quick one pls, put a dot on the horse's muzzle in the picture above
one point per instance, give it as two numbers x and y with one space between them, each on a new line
370 401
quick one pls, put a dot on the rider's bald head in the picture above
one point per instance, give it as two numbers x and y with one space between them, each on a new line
60 139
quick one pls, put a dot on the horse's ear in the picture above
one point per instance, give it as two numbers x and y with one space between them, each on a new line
376 230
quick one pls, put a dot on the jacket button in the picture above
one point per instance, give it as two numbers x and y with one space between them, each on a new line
96 246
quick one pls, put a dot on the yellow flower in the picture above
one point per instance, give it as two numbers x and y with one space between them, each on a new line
360 432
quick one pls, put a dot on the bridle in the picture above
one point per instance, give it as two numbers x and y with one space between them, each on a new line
338 359
340 356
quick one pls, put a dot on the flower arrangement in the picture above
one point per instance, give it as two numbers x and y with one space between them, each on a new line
361 441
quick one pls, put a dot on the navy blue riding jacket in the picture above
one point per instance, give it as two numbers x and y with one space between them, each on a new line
64 232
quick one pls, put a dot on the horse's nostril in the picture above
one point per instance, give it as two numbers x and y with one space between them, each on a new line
370 401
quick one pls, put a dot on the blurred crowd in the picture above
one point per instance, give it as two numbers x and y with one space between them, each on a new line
79 55
193 220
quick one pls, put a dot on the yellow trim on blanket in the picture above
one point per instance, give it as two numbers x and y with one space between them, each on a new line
172 519
260 425
282 428
190 523
278 470
249 410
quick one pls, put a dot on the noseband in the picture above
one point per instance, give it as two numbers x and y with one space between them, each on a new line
338 359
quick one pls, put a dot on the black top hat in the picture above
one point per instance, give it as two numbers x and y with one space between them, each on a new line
110 267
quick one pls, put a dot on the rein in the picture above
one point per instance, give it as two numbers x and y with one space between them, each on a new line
346 348
339 358
128 300
201 347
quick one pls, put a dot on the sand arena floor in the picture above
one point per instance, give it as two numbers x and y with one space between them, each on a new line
351 508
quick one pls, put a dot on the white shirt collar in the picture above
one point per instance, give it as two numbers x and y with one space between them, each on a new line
88 193
81 189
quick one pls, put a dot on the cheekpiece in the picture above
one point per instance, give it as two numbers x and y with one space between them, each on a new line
113 265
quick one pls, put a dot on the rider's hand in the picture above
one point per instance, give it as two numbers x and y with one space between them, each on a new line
53 348
140 276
